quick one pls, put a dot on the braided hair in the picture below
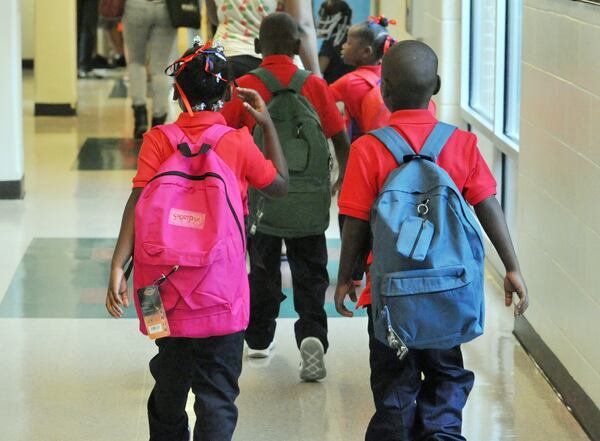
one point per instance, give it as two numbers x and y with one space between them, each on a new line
374 33
201 76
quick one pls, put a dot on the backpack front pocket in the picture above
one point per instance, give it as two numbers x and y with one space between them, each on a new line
433 308
200 284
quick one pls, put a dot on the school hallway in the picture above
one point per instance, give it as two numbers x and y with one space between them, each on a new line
70 372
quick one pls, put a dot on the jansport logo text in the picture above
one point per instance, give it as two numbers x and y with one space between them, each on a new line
187 219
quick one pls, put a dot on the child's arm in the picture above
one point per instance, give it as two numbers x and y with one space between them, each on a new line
355 242
116 296
211 10
492 219
341 144
258 109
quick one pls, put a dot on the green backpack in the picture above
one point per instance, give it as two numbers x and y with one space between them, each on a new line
305 210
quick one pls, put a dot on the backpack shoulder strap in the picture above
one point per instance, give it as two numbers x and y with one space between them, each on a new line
268 79
298 80
174 134
180 141
394 142
213 135
437 140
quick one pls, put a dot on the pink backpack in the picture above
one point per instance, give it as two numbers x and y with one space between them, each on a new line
191 215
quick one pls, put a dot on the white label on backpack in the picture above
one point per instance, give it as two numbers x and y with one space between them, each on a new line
187 219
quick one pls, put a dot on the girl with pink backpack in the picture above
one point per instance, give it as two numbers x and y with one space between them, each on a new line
184 226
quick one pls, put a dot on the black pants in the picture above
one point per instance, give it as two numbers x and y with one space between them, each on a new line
409 408
211 368
307 257
87 28
242 64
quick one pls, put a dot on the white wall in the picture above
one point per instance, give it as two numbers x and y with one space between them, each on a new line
11 123
559 181
27 29
439 24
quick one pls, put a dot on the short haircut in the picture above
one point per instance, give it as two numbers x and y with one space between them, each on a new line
410 71
279 33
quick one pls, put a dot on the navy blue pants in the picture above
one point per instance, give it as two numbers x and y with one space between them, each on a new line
420 398
210 367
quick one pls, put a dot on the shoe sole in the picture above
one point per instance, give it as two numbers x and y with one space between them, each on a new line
312 367
261 353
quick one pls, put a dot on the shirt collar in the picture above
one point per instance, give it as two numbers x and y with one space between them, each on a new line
412 116
375 68
205 118
277 59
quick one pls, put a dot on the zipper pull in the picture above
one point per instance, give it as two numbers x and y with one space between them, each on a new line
164 277
394 340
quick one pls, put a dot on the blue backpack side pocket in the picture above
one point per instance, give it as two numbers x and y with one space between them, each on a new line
415 238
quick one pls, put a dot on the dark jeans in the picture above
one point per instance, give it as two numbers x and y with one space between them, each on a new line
242 64
307 257
409 408
211 368
87 28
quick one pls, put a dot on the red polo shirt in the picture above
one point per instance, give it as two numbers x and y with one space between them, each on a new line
351 90
236 149
370 163
315 89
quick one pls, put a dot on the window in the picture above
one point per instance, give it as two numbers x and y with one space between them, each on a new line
483 57
491 71
512 110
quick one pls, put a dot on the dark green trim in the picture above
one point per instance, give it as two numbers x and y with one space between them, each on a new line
42 109
583 408
27 63
12 189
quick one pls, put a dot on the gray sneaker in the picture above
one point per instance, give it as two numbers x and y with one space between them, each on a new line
312 366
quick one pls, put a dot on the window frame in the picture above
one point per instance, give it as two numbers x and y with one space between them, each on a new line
493 130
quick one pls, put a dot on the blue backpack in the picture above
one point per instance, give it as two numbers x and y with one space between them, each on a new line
427 270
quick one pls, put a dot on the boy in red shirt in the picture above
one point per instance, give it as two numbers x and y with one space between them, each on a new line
408 407
307 256
209 366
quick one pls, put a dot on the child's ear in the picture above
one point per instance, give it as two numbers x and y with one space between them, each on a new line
297 44
438 86
385 93
257 46
368 52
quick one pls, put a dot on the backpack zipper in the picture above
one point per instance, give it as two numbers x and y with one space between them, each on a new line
202 178
410 256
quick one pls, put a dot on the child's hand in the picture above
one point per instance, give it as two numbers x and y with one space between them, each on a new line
341 291
514 282
116 297
254 103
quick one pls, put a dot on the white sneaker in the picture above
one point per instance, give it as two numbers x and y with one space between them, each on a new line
261 353
312 366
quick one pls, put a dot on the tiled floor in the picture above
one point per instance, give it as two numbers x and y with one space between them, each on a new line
70 373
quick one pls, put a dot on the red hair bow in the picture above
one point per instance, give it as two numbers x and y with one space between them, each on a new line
378 20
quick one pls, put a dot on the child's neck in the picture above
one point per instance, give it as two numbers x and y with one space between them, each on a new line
372 63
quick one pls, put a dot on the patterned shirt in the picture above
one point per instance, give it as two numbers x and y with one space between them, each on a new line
239 23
